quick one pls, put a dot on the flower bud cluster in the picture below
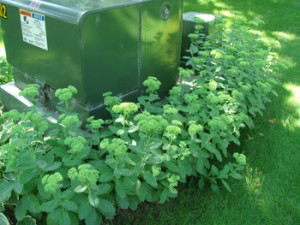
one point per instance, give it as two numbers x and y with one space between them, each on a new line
193 36
69 121
217 124
65 94
116 147
94 124
190 97
187 73
194 129
150 124
76 143
125 108
111 101
168 109
156 170
13 115
85 174
213 99
213 85
175 90
172 132
52 182
237 94
265 87
240 158
184 150
218 54
152 84
31 91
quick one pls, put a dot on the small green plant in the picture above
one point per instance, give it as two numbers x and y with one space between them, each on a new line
146 149
5 71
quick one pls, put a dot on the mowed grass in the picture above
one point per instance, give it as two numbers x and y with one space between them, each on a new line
270 191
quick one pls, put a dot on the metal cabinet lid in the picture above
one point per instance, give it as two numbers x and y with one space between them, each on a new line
69 10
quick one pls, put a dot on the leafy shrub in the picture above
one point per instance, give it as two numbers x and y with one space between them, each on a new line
146 149
5 71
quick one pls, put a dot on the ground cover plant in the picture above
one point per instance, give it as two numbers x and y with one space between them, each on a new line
5 71
63 176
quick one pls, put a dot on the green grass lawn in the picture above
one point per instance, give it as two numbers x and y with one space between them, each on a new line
270 192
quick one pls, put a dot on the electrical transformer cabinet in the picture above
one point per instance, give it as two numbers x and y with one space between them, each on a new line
94 45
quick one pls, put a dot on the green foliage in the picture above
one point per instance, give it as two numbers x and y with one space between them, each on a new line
147 148
5 71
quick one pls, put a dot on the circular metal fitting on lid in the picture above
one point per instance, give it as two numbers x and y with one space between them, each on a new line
166 11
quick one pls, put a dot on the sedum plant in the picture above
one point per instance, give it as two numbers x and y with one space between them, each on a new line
65 176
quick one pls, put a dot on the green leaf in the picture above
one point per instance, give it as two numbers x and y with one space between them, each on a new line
132 159
214 187
172 166
120 132
122 203
26 176
64 217
201 184
218 155
13 199
133 202
107 176
28 220
223 174
41 164
93 199
53 167
155 145
126 172
182 170
195 149
2 207
133 129
84 209
150 179
120 190
80 188
142 189
74 219
226 185
61 152
6 188
18 187
103 189
93 218
69 205
49 206
215 170
200 167
155 159
107 208
3 219
52 218
26 161
67 194
163 196
31 203
236 175
117 173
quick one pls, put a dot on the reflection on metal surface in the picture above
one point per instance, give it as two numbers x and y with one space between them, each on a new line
97 46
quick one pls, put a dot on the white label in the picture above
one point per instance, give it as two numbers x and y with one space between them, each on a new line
33 29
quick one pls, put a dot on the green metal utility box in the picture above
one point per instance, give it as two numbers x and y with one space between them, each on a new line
94 45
